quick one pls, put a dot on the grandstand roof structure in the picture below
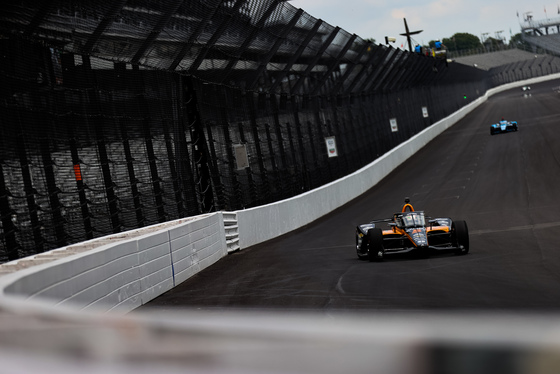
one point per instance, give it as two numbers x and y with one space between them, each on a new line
259 45
540 27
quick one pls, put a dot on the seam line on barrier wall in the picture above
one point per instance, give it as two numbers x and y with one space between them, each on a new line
171 258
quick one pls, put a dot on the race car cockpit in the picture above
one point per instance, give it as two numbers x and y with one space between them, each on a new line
409 219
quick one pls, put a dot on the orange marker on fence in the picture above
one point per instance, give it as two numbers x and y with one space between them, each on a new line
78 172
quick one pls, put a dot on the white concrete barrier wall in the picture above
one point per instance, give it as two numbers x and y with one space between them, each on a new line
120 276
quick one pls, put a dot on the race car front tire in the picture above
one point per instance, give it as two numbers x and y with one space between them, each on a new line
460 237
375 244
361 247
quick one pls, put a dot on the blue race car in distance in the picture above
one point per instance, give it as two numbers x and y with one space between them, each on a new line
503 126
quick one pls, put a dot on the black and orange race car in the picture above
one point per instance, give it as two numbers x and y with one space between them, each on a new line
408 232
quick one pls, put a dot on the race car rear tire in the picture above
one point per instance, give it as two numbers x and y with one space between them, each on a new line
460 237
375 244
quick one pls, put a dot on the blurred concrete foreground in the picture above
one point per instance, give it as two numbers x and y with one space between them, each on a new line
36 339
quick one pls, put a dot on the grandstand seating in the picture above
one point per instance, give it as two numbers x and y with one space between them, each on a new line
549 42
491 60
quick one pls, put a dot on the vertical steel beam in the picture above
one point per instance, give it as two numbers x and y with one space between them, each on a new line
52 189
8 227
29 190
173 170
282 166
152 162
299 138
98 124
112 201
140 218
278 130
199 147
314 161
277 180
320 140
255 130
337 129
252 187
294 158
213 166
76 162
236 201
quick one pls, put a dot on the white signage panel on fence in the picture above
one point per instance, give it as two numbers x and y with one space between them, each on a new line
394 127
425 112
331 146
240 152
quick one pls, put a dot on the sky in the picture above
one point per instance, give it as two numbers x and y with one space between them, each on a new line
437 18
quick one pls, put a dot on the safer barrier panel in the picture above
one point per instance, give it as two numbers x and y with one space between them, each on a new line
126 273
197 246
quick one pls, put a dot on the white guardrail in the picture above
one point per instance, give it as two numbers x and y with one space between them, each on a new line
120 272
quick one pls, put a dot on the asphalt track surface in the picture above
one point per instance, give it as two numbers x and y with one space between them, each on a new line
506 187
